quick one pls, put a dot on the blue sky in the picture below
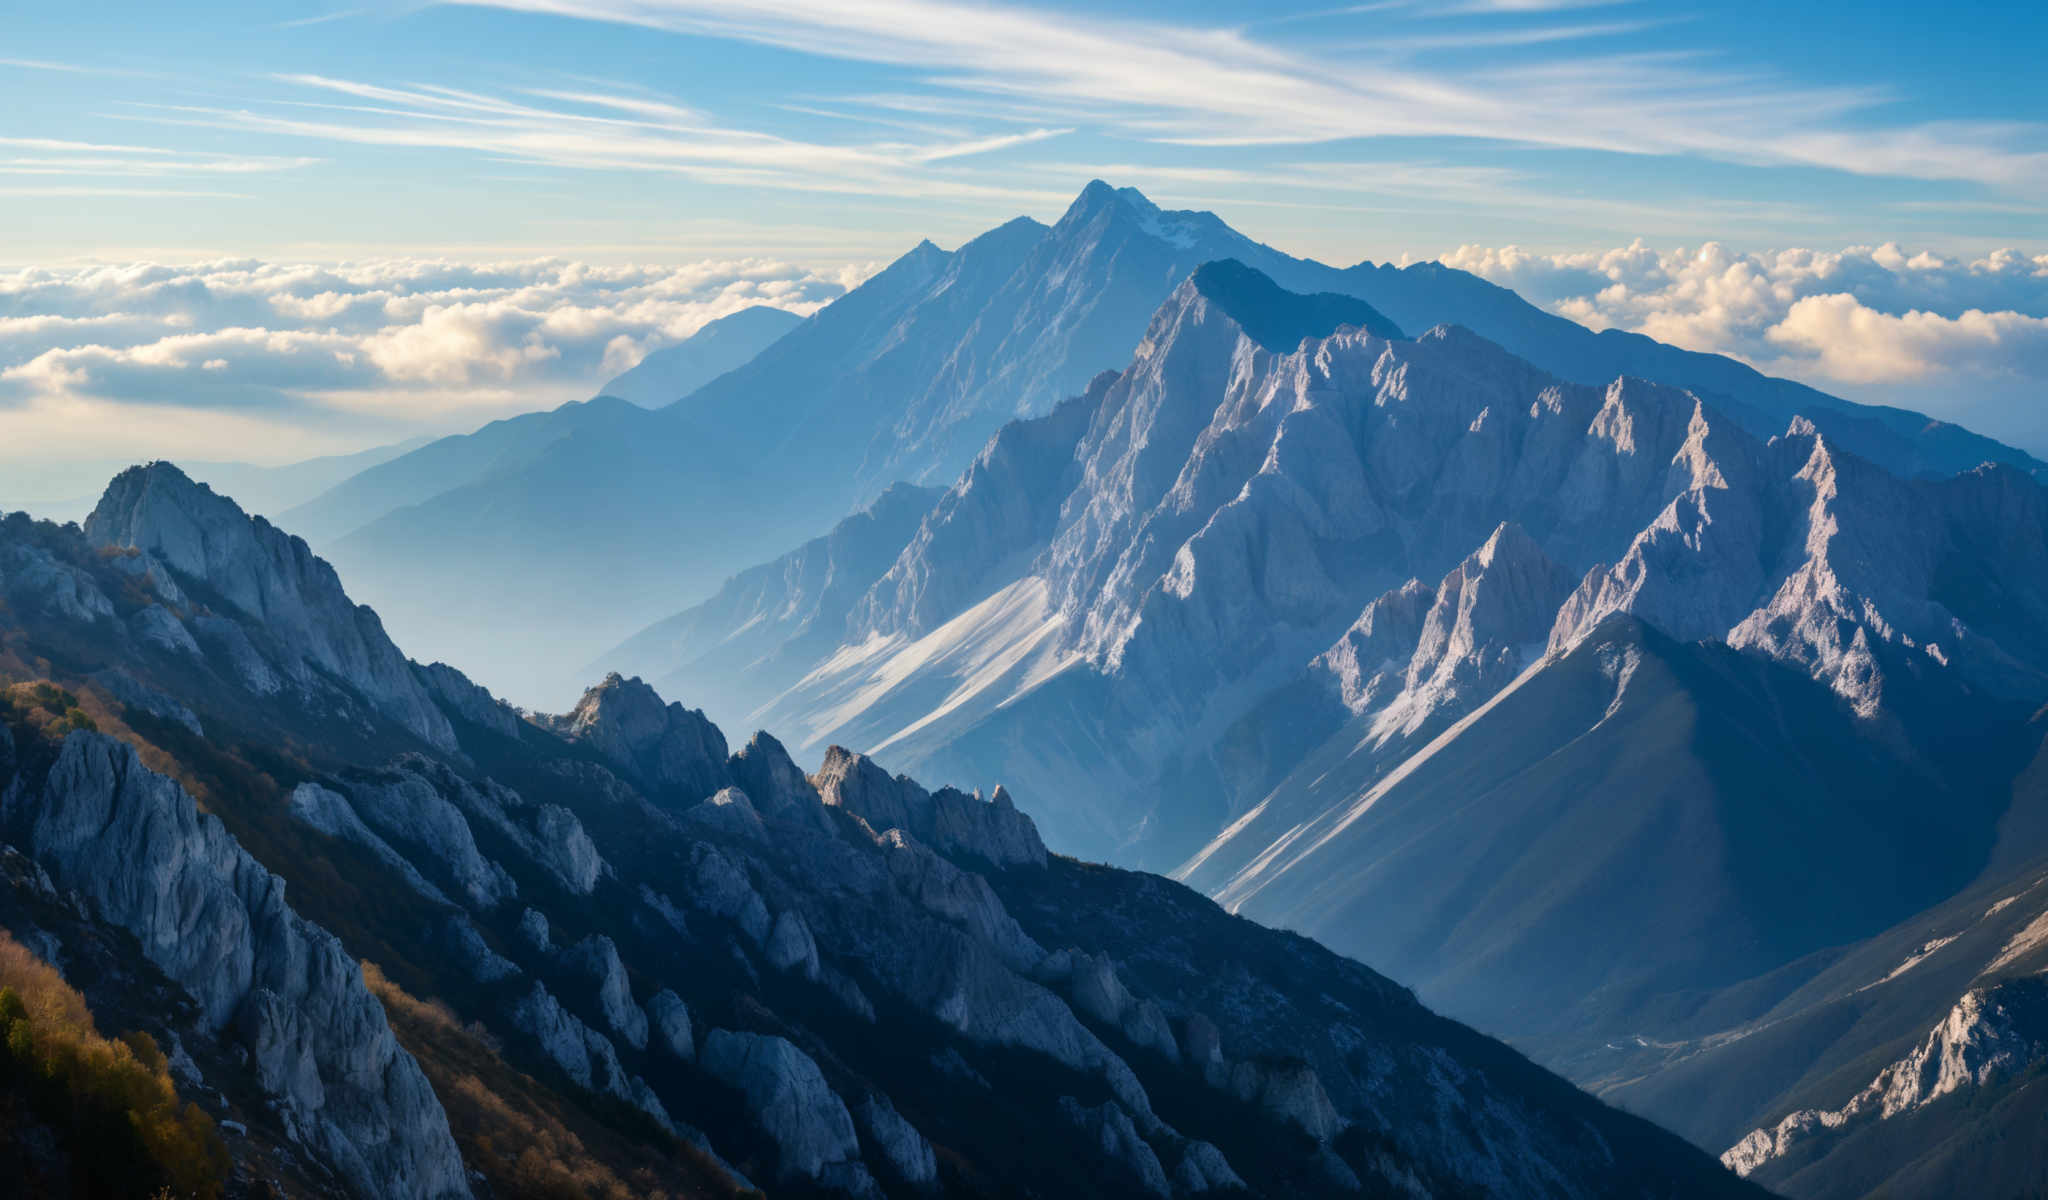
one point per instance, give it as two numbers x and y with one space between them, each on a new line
268 231
638 128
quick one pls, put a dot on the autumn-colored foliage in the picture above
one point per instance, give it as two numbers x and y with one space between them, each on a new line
47 707
111 1101
518 1133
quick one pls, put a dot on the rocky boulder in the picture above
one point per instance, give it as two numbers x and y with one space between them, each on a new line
1114 1136
776 785
897 1141
597 959
813 1133
670 1019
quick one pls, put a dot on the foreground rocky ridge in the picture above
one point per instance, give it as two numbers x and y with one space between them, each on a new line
838 982
132 843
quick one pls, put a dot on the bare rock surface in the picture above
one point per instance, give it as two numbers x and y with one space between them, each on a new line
264 574
212 919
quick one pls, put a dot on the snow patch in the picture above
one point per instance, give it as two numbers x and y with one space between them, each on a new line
1913 960
1268 866
2024 942
896 686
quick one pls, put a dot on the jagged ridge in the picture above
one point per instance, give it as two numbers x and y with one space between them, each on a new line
822 977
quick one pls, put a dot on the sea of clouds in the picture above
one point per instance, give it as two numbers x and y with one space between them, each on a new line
267 361
1964 339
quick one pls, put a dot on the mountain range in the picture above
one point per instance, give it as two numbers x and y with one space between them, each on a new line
901 380
1606 722
1679 726
391 937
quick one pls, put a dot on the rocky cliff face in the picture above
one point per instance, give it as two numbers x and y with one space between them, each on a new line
948 821
1415 660
1071 308
842 981
1271 608
1004 506
665 747
1991 1035
133 843
260 574
1805 554
1174 549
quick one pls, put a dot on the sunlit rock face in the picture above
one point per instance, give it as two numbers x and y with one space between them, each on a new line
264 575
134 845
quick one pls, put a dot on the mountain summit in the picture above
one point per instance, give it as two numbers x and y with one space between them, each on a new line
903 379
255 571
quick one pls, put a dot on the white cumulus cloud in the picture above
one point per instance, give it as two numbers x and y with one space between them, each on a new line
263 361
1962 339
1851 342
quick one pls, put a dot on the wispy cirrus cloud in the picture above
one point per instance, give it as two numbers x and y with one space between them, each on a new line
321 18
61 158
63 191
66 68
1525 6
594 130
981 82
1222 86
1483 39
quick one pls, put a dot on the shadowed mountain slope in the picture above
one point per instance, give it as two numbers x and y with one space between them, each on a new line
669 373
724 971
